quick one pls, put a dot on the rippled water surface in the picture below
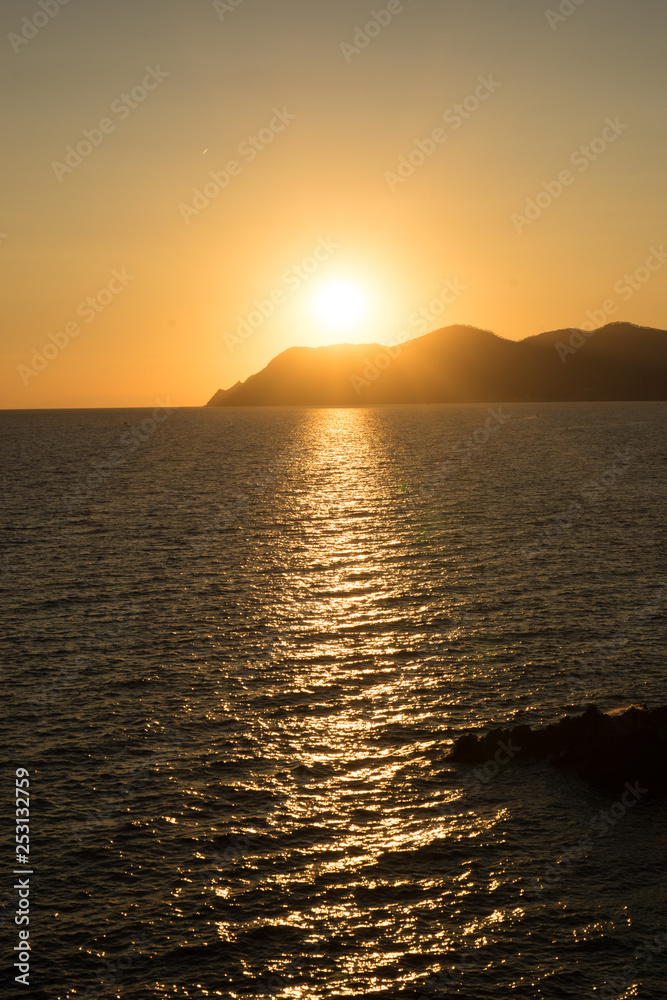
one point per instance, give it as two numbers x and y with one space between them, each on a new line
239 645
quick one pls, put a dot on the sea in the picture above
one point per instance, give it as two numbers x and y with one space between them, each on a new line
238 646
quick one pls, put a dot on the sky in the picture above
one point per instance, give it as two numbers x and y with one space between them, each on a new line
190 188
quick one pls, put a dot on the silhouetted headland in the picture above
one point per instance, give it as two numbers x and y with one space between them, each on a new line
607 750
461 364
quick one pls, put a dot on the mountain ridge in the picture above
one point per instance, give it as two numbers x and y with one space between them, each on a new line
465 364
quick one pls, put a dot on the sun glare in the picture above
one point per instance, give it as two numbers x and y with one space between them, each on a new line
340 304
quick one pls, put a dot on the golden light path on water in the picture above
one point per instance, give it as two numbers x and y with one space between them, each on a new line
357 799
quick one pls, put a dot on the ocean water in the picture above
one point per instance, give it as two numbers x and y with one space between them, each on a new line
238 646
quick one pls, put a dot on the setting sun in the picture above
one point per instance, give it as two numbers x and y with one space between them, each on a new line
341 304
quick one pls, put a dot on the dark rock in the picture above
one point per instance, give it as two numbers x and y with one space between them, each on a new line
606 749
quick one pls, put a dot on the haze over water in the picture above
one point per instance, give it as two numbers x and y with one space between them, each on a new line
237 675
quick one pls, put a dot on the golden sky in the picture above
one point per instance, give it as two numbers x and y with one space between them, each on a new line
190 188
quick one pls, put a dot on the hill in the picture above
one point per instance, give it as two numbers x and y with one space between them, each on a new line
462 364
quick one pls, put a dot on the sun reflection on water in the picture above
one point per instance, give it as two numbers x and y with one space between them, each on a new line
347 815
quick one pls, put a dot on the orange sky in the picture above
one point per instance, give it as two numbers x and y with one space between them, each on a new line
338 155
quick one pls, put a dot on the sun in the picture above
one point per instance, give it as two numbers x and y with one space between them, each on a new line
340 304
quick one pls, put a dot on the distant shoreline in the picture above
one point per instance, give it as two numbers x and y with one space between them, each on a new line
341 406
